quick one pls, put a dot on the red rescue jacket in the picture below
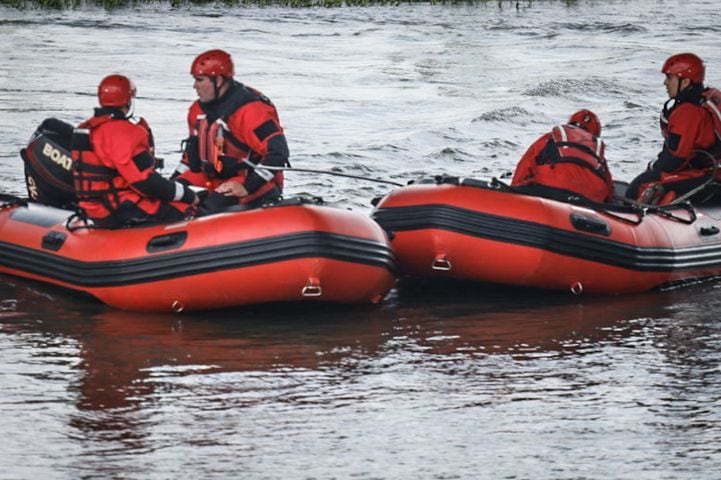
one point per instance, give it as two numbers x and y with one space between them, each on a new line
688 130
113 160
231 139
568 158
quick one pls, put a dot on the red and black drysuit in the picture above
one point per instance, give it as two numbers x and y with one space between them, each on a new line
567 161
690 141
231 139
115 177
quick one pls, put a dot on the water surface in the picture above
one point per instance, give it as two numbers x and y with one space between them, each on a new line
439 381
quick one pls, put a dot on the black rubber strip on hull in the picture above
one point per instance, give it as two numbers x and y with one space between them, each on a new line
198 261
563 242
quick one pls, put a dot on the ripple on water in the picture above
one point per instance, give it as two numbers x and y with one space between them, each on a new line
577 89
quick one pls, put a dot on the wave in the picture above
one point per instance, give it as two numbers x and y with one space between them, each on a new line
571 87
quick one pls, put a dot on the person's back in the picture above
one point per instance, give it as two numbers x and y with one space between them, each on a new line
114 173
567 161
115 140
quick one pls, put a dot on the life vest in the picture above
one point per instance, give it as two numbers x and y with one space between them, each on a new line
706 140
712 103
219 153
665 113
577 146
101 189
573 160
710 99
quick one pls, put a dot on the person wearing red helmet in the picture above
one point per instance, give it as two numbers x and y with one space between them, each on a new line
568 161
235 133
114 172
691 141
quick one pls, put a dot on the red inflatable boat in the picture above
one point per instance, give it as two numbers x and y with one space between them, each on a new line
475 230
290 251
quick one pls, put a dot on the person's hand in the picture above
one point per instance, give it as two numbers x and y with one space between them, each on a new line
233 188
196 200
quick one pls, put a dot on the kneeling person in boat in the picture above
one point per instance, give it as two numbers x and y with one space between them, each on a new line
691 128
234 133
567 162
114 170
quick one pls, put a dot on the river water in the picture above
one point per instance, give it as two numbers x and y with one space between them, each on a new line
437 382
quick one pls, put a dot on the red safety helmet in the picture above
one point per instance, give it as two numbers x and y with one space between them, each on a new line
685 65
116 91
213 63
587 120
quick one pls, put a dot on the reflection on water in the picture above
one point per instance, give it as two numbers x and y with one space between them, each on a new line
637 367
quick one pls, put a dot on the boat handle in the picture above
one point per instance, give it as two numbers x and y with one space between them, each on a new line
53 241
589 224
712 230
442 263
169 241
312 288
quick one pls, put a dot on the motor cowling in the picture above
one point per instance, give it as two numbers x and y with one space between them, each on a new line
49 164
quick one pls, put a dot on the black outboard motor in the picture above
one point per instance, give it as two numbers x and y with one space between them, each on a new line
49 165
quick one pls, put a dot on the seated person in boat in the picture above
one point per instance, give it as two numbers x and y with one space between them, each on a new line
114 170
691 128
567 162
234 133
